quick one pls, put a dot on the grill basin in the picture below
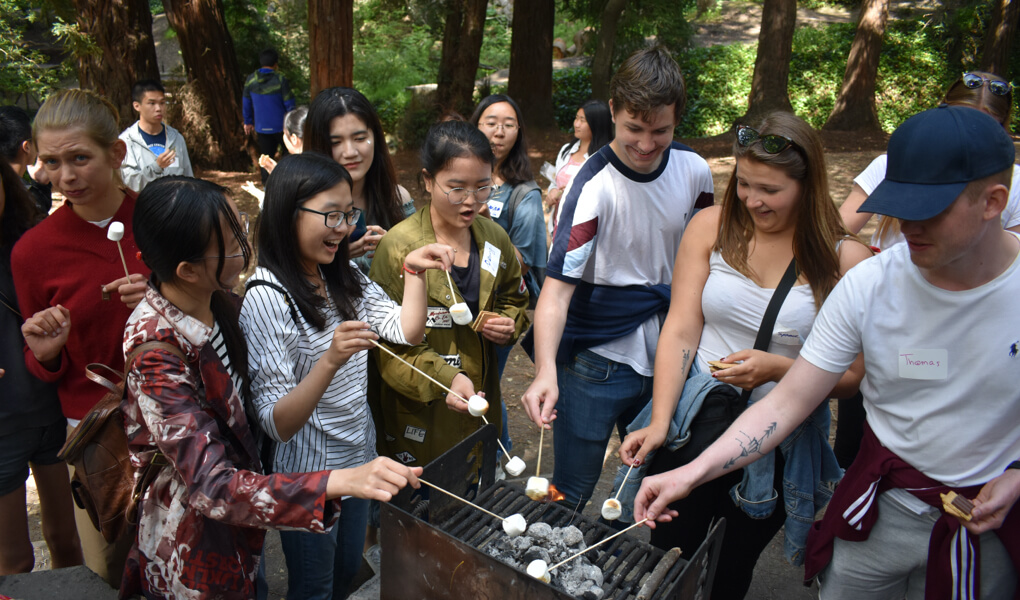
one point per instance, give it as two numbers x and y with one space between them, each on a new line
430 542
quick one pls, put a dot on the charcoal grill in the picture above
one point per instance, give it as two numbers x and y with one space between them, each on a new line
431 548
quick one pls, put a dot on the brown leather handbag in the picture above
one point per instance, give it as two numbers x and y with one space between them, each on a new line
104 483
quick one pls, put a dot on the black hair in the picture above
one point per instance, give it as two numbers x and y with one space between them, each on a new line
383 204
600 122
516 167
15 128
145 85
294 121
268 58
295 180
174 220
18 213
453 139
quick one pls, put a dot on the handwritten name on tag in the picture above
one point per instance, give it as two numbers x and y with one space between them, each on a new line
490 258
919 363
496 208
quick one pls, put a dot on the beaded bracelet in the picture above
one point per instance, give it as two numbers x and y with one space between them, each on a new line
412 271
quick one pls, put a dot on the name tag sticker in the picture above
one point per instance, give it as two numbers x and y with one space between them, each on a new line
438 317
917 363
496 208
787 336
490 258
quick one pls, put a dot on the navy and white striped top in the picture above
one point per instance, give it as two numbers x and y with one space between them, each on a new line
340 433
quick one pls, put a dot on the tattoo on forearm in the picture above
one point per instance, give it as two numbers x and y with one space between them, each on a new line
687 359
752 445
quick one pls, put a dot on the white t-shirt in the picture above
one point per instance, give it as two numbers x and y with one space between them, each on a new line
942 389
620 227
733 306
875 174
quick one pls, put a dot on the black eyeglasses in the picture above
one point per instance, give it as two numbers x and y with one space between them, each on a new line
995 86
459 195
333 218
771 143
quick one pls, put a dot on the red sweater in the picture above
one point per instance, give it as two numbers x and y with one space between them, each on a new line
66 260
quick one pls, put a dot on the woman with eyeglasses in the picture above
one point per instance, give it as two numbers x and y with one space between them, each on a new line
776 208
417 420
308 315
342 123
984 91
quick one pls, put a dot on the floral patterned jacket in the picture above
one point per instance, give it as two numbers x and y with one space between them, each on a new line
202 520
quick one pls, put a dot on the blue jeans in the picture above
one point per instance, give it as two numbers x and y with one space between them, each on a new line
322 565
596 394
502 354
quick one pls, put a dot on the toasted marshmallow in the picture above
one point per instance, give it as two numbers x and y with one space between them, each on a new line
539 570
515 466
515 525
611 509
115 232
461 314
477 406
537 488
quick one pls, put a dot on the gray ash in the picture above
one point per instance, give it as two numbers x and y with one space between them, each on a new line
579 577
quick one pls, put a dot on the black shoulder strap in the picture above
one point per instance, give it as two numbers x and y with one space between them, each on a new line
257 282
518 194
768 322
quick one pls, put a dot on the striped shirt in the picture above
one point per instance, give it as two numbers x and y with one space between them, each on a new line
340 432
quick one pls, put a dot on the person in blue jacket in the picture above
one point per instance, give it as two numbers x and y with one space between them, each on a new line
265 101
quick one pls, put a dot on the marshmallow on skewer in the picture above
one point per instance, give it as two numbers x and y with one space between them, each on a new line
515 525
461 314
611 509
539 570
477 406
115 232
537 488
515 466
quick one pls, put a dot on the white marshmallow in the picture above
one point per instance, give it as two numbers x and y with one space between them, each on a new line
477 406
515 466
115 232
515 525
611 509
537 488
539 570
461 313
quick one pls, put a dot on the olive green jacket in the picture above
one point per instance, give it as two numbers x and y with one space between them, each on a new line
413 422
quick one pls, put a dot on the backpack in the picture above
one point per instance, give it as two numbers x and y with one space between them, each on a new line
104 483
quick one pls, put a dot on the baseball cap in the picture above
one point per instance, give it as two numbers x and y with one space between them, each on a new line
932 157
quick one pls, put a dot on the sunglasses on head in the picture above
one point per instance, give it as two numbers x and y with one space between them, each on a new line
771 143
995 86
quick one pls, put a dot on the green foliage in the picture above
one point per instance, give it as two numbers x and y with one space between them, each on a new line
255 26
24 69
718 83
663 20
571 89
495 53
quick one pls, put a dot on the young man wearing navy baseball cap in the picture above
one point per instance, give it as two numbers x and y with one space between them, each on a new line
937 322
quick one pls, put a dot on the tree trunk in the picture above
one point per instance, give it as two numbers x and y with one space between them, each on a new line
531 61
330 44
123 31
769 91
855 106
209 59
462 44
999 37
602 62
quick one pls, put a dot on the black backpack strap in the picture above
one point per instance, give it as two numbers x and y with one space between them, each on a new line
257 282
768 322
519 192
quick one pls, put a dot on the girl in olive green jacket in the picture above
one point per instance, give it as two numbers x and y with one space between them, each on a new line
417 420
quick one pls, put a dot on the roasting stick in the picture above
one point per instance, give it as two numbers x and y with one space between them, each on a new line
425 375
619 491
450 281
622 531
538 463
468 502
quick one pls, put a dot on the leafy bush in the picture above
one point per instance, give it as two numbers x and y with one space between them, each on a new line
24 70
571 89
718 82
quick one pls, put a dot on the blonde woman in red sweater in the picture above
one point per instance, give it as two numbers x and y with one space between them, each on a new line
68 276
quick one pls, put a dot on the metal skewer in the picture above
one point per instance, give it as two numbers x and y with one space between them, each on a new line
621 532
469 503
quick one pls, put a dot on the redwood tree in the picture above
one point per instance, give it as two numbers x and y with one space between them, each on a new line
855 105
602 62
999 36
330 44
531 61
769 90
462 45
122 29
209 59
